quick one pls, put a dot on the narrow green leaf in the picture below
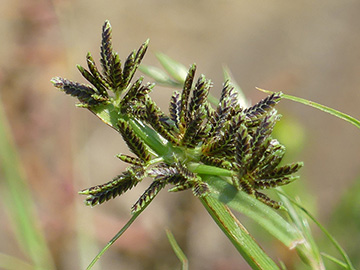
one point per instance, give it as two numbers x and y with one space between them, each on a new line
264 215
323 108
322 228
117 236
334 260
238 235
158 75
309 252
175 69
179 253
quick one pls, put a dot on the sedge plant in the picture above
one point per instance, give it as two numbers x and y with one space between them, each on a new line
220 150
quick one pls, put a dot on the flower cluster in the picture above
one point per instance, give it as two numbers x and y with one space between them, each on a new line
194 131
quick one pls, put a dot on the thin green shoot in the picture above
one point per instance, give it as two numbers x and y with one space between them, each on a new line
117 236
323 108
334 260
179 253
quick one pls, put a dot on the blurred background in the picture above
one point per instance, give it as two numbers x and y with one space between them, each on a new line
304 48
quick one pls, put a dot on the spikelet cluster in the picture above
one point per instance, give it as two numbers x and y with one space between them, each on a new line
227 136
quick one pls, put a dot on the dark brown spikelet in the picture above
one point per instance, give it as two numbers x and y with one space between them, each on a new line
262 107
227 108
199 95
185 95
175 108
154 116
101 193
148 195
131 160
184 172
94 81
131 64
224 142
106 49
162 172
245 185
271 157
116 73
110 60
261 139
135 144
85 94
242 145
216 161
97 75
181 186
190 138
200 189
275 182
266 200
283 171
130 94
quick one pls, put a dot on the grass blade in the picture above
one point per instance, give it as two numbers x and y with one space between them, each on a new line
179 253
18 200
238 235
323 108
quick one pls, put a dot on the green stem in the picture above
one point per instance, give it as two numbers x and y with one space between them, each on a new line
238 235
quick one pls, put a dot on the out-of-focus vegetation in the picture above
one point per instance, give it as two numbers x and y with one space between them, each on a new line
306 49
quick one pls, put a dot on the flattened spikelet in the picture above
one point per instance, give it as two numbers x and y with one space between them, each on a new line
200 189
131 64
215 161
106 49
266 200
174 108
154 114
243 145
101 193
85 93
199 95
100 89
97 75
284 170
131 160
116 72
263 106
186 93
147 196
271 183
192 130
131 94
135 144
